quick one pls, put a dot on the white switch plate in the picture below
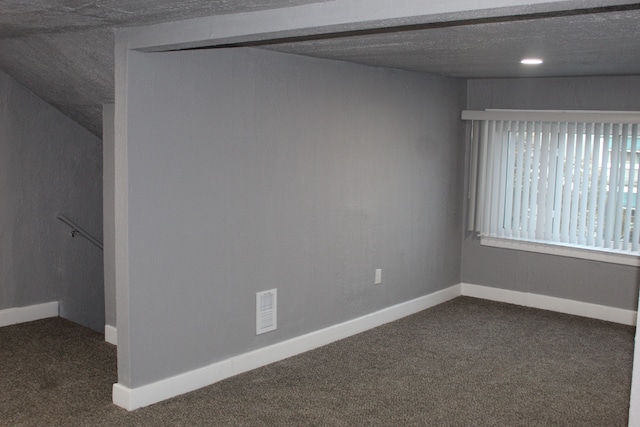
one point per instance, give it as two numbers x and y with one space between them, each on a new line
378 279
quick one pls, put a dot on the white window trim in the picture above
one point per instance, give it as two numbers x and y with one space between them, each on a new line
562 249
553 115
555 248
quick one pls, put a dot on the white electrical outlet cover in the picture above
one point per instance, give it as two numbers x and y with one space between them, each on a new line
378 279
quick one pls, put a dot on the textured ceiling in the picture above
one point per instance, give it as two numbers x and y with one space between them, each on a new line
576 45
19 17
62 50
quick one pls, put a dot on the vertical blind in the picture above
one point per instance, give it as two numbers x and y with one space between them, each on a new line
556 177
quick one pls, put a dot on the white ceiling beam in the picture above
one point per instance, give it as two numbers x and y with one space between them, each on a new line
333 17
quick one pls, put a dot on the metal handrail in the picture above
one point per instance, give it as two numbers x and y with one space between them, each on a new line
76 229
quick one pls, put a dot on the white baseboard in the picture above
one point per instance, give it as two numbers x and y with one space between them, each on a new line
133 398
15 315
111 334
577 308
138 397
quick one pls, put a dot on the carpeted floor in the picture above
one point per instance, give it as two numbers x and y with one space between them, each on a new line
467 362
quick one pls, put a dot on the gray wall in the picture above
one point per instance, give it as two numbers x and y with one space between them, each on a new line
49 165
250 170
108 216
580 280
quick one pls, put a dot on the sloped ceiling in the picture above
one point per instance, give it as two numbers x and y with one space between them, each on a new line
62 50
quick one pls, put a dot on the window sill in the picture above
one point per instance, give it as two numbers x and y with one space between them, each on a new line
610 256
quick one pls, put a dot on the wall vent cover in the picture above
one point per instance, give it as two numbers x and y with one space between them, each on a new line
266 311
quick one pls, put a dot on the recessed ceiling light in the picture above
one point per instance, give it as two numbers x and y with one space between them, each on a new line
531 61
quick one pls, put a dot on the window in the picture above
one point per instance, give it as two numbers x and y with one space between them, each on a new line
556 182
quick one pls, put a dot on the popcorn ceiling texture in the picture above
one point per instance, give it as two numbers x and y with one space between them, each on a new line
63 50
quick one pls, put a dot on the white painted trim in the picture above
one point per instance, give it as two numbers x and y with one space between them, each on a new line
133 398
15 315
111 334
560 305
327 18
563 249
589 116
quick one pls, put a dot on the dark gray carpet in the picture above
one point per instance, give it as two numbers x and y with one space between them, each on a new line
466 362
